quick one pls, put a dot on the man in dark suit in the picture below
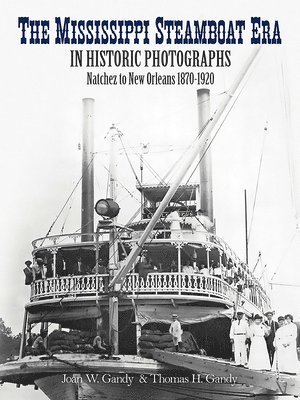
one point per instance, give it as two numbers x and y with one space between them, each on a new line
79 268
28 273
273 326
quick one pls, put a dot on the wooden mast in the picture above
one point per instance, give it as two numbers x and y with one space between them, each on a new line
113 260
87 188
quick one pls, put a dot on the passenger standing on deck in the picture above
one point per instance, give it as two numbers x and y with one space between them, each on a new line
204 270
176 331
247 292
217 270
175 219
278 344
28 273
79 268
102 270
258 355
286 343
188 269
239 332
273 326
173 267
38 270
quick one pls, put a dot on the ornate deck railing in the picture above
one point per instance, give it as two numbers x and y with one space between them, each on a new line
177 284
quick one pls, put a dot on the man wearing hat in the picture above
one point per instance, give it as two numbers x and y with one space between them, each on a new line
239 333
272 326
176 331
28 272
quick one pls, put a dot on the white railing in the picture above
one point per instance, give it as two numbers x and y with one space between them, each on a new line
192 284
69 286
69 239
155 284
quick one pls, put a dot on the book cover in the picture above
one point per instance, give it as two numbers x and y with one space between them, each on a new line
197 101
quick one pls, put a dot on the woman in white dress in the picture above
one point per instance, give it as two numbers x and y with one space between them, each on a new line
277 340
175 228
258 356
286 347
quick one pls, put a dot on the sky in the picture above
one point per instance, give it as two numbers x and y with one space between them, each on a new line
41 126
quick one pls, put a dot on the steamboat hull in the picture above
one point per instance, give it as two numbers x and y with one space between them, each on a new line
82 377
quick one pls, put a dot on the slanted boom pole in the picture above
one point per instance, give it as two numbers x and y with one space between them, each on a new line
206 190
201 143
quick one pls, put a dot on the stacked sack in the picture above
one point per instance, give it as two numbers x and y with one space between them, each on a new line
148 342
156 340
70 342
166 343
83 341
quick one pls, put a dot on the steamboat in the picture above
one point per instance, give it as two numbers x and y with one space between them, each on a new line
125 282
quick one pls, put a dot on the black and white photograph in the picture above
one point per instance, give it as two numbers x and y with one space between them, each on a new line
150 202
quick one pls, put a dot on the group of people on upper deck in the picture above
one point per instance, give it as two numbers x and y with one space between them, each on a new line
236 276
265 344
40 269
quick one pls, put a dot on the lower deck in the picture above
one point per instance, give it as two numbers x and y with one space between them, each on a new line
209 323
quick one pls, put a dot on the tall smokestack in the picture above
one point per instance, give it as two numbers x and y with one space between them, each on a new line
87 195
206 190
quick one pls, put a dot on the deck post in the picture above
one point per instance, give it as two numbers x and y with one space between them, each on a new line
220 262
138 326
207 257
179 257
97 248
54 252
24 335
114 324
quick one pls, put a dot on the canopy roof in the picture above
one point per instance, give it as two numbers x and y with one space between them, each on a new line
156 193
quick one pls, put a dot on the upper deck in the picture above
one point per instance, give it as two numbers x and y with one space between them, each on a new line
185 199
218 275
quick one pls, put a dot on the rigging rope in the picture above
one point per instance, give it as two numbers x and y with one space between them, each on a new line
187 149
258 259
120 183
286 103
66 202
66 217
128 159
284 255
258 178
217 131
107 184
151 169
